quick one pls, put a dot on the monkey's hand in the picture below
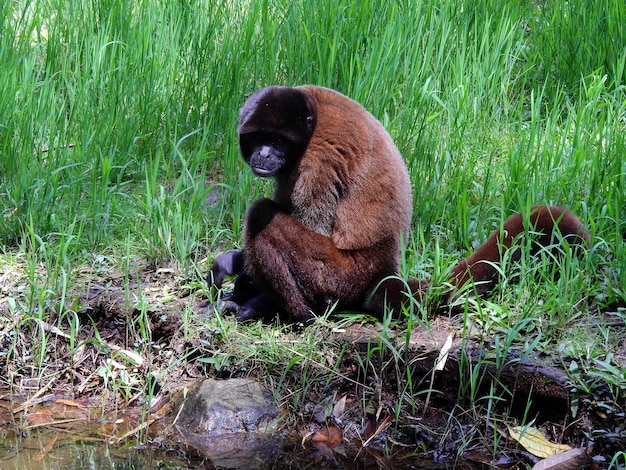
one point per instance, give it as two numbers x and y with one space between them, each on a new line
225 264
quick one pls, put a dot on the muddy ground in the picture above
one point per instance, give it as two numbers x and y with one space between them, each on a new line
143 337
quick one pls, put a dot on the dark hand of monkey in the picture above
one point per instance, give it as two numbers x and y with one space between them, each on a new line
226 264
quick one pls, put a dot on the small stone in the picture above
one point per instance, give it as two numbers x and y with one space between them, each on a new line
231 422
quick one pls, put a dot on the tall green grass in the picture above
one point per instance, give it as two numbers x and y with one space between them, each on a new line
481 98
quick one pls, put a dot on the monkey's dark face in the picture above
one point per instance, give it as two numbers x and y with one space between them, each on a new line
268 154
275 126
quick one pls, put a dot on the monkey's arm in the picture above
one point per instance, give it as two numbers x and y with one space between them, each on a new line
317 192
303 269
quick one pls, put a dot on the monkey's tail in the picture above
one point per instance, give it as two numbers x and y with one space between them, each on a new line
548 225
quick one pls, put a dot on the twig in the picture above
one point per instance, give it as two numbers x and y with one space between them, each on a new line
35 398
384 425
133 431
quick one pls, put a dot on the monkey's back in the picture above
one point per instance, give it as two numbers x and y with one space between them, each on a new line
363 170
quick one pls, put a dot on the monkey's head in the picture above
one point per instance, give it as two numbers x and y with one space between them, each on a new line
275 126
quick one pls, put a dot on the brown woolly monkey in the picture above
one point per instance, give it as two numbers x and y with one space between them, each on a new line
342 202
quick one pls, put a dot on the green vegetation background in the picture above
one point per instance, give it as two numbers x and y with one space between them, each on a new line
117 116
118 122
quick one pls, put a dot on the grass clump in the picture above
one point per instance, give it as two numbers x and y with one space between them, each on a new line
120 179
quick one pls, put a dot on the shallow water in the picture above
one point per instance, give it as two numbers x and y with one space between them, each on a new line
50 451
39 452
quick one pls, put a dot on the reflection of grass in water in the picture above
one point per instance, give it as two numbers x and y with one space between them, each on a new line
51 451
76 453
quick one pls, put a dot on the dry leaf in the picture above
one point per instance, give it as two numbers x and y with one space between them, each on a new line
384 425
51 328
46 450
69 402
39 418
130 355
339 407
369 428
534 442
569 460
331 436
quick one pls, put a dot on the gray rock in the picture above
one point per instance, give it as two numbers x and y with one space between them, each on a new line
225 406
231 422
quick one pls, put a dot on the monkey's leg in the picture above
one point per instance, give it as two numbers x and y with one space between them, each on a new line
304 268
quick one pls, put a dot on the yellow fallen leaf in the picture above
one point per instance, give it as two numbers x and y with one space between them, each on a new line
534 442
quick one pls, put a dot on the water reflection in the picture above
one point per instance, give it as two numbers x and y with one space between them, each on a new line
49 451
54 452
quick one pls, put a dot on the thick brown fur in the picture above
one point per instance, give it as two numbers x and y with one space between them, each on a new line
342 202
